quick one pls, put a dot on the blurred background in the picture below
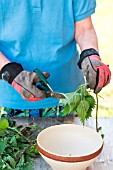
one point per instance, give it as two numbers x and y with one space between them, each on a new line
103 23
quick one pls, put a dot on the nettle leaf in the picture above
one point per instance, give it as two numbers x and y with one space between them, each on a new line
13 141
31 154
34 149
4 158
11 161
82 109
4 124
70 103
21 162
6 166
28 165
90 99
82 90
66 110
79 101
2 146
74 99
9 150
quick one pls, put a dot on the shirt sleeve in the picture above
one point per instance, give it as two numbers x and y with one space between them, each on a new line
83 9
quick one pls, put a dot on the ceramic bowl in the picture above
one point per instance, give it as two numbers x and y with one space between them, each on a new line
69 146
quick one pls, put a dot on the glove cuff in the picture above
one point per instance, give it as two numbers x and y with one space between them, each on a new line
86 53
10 71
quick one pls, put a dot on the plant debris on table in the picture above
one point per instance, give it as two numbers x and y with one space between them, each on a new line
17 145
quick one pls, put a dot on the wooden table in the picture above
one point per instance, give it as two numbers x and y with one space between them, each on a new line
104 161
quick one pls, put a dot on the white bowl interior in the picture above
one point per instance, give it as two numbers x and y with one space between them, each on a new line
69 140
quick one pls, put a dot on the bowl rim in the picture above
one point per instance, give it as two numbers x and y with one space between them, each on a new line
63 158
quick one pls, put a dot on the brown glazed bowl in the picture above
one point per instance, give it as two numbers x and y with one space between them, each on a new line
69 146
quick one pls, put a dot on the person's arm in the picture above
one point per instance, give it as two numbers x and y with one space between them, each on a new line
96 72
85 34
3 60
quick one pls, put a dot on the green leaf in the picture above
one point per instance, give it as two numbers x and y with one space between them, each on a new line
90 99
70 103
6 166
13 141
28 165
4 124
34 149
9 150
82 110
12 161
82 90
2 146
21 161
4 158
66 110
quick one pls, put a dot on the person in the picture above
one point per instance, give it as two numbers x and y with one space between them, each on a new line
44 34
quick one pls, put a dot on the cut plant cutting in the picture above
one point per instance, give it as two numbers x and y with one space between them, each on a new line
80 101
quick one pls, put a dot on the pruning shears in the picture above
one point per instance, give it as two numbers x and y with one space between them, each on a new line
44 85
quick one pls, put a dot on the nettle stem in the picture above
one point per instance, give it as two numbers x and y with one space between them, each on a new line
23 151
97 129
18 132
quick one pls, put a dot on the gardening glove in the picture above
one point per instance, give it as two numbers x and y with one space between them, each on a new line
23 81
97 74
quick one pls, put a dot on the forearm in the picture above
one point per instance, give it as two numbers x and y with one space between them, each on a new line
87 39
3 60
85 35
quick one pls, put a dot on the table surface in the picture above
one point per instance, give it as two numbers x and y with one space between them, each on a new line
104 161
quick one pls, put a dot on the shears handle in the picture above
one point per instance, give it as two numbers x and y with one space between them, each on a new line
43 83
42 77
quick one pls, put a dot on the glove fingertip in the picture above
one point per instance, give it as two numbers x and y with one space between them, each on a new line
97 90
32 98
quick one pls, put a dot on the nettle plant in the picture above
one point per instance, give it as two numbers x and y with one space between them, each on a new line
80 101
83 102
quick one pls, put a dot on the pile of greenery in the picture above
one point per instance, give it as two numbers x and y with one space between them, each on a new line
17 146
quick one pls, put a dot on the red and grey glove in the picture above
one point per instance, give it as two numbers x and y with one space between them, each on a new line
96 72
23 81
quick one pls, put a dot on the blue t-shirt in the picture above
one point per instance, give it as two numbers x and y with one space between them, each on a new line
40 34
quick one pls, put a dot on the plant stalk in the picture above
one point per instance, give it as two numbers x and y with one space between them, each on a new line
97 113
20 134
